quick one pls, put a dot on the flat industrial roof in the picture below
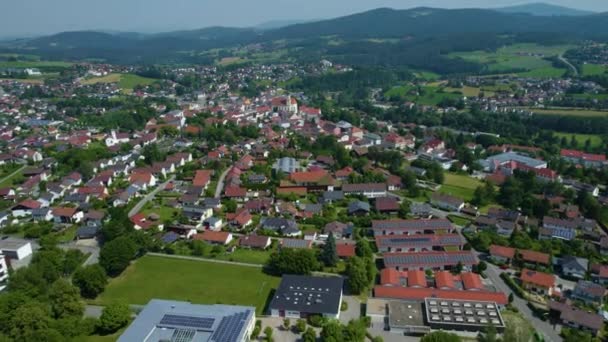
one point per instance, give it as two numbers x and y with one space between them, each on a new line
376 306
405 314
461 312
12 244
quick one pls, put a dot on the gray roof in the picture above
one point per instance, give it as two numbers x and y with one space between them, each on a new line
358 206
287 165
278 223
412 224
87 232
307 294
165 320
429 259
508 156
333 196
419 240
295 243
580 264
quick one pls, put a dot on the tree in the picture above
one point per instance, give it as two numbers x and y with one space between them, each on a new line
268 333
440 336
332 332
301 326
404 209
27 320
91 280
357 275
292 261
65 300
488 334
482 266
286 323
72 259
114 317
329 255
309 335
363 249
116 255
459 268
511 297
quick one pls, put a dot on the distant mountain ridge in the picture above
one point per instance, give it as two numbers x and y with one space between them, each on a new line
544 10
418 24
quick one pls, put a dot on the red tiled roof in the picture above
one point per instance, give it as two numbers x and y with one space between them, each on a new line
211 236
533 256
410 293
30 203
300 191
308 176
64 211
416 278
582 155
444 279
235 191
390 276
471 281
202 178
257 241
537 278
501 251
345 250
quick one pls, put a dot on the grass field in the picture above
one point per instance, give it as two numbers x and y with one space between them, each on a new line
594 69
427 95
518 56
34 64
525 329
570 112
196 281
24 80
459 185
125 81
248 256
595 139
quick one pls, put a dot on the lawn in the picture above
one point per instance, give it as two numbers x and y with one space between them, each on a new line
427 95
517 320
166 213
571 112
101 338
189 280
459 221
248 256
10 181
459 185
596 140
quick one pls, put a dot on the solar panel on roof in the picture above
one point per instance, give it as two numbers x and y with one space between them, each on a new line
229 328
187 321
183 335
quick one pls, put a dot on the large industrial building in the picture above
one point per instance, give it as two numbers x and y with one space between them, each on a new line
165 320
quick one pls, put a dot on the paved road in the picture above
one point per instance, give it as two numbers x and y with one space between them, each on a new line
542 327
12 174
150 197
434 211
572 67
220 183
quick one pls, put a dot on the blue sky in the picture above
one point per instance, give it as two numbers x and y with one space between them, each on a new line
33 17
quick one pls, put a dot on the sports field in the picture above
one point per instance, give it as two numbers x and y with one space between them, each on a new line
195 281
459 185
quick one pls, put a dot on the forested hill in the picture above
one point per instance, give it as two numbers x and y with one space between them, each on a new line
544 9
420 28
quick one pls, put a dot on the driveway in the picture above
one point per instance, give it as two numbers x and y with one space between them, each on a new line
550 333
353 311
150 197
87 247
220 183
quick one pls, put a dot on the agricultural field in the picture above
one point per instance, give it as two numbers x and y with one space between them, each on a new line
426 95
125 81
518 56
461 186
570 112
593 69
34 64
202 282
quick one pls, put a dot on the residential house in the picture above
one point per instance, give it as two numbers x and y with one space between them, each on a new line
386 205
576 318
296 243
369 190
538 282
573 267
339 229
213 237
502 254
281 226
447 202
240 219
255 241
589 292
67 215
358 208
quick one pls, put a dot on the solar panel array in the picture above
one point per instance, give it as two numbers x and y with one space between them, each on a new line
430 258
412 224
446 311
230 327
203 323
429 240
183 335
